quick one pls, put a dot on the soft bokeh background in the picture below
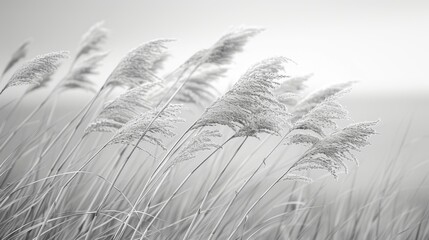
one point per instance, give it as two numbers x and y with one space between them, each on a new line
382 44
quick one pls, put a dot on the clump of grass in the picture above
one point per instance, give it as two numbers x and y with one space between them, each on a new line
149 171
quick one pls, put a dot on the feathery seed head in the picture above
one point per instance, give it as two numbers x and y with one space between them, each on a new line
293 85
123 108
296 177
79 75
135 68
200 87
162 127
250 107
92 40
19 54
300 138
35 70
288 91
222 52
310 127
331 152
312 100
202 141
324 114
42 84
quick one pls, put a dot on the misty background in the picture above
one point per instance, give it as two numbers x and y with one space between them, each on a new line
383 45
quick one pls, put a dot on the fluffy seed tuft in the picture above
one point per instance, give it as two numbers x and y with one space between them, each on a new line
123 108
202 141
160 129
138 65
331 152
250 107
34 71
92 40
19 54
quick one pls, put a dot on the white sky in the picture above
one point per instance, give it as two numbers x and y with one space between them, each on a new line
382 44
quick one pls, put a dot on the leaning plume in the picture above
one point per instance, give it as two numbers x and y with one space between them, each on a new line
19 54
221 52
201 88
224 49
331 152
135 68
116 113
250 107
328 150
92 40
313 99
88 58
34 71
42 84
288 91
202 141
161 128
79 77
312 127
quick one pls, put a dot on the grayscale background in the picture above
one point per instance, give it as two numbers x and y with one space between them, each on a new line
384 45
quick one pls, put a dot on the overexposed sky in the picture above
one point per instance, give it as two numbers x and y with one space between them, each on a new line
382 44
